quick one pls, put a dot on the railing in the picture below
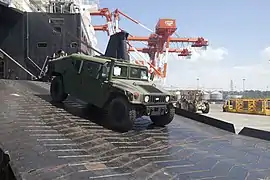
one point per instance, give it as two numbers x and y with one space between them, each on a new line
23 5
17 63
85 7
7 2
88 40
36 5
18 4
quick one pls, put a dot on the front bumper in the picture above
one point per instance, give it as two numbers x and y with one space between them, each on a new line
156 110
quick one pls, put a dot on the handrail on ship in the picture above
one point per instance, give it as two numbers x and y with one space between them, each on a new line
85 31
16 62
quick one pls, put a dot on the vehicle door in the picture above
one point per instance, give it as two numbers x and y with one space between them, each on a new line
72 79
94 88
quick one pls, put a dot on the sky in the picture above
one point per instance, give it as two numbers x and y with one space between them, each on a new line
238 33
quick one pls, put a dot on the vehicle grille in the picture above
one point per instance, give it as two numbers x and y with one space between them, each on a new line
150 89
157 99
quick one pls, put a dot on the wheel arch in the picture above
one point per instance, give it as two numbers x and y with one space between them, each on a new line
114 94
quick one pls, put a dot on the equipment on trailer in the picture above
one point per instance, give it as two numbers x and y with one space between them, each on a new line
192 100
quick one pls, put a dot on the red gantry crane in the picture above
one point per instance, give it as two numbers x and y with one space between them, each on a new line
157 44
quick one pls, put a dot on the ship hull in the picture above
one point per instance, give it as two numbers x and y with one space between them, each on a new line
29 37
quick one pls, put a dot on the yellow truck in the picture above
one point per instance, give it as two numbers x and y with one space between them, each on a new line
248 106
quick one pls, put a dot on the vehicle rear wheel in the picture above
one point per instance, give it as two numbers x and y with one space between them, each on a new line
121 115
57 89
207 108
164 119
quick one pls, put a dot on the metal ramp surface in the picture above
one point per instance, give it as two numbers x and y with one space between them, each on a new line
49 142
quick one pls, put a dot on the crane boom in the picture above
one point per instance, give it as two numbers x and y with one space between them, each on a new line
158 42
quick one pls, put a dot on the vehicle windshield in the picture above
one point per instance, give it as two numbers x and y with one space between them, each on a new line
121 71
138 73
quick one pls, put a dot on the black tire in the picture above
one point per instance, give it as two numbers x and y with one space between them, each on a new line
164 119
57 90
120 114
207 108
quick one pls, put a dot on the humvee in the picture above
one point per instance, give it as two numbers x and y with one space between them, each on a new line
120 88
191 100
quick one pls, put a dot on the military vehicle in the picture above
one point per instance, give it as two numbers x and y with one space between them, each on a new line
120 88
192 100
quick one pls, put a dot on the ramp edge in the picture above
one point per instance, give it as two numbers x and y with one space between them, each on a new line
256 133
206 120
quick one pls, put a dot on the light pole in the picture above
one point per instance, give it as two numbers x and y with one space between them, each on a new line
198 83
244 84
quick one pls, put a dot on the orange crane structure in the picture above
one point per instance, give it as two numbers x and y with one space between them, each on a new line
157 44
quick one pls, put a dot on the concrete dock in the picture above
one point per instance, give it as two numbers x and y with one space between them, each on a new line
240 120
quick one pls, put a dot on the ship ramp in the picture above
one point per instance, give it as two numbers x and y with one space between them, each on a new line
48 142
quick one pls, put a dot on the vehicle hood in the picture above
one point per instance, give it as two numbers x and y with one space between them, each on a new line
143 87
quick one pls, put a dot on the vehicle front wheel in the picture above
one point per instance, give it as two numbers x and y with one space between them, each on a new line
164 119
207 108
57 90
121 115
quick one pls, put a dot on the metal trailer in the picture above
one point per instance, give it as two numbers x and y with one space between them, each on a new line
192 100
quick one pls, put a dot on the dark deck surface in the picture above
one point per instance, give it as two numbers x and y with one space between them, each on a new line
47 142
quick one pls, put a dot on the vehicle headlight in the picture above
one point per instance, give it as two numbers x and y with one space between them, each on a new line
167 98
146 99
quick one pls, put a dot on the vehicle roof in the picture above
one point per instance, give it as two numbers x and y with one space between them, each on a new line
89 58
100 59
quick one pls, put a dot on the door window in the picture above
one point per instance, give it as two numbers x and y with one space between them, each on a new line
91 68
2 69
